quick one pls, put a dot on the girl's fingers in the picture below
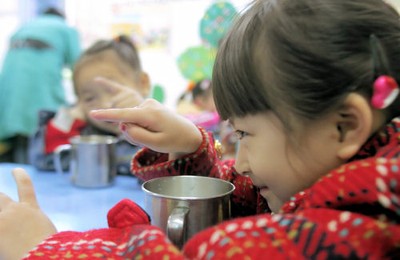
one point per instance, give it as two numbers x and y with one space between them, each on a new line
26 192
110 86
117 115
137 135
126 99
139 115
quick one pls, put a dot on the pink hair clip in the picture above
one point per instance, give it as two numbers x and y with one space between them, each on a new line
385 91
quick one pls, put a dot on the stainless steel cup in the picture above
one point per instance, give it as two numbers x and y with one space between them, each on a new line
184 205
93 161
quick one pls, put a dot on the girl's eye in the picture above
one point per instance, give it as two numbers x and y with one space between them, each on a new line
240 134
88 99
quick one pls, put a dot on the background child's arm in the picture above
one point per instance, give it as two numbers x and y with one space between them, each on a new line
54 130
75 113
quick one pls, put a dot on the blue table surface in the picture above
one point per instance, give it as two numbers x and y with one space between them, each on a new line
70 207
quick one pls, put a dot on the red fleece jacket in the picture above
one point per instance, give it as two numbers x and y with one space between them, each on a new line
352 212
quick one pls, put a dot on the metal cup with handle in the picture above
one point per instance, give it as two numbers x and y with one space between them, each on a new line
184 205
93 161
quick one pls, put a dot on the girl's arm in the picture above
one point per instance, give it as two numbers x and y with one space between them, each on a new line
154 126
175 146
205 161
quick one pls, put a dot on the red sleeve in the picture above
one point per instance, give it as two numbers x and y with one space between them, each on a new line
55 136
246 200
108 243
129 237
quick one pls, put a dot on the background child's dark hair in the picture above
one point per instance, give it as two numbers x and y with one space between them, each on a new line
121 45
302 57
201 88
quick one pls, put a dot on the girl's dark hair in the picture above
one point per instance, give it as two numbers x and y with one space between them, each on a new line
121 45
302 57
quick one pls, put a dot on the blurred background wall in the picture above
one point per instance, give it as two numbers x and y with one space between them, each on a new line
164 30
176 38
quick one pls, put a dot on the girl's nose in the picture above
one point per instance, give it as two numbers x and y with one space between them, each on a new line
241 164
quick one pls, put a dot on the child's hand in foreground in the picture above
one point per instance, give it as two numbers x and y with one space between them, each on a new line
22 224
153 125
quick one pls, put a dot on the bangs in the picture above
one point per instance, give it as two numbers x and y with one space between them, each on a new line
236 87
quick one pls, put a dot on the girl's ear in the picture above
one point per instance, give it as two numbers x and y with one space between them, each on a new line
356 121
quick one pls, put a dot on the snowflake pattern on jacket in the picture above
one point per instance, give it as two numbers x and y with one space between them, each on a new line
351 213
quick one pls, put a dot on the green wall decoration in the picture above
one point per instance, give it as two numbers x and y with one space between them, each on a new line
216 21
158 93
196 62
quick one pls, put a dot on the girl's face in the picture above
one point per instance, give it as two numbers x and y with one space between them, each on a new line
93 96
278 166
206 102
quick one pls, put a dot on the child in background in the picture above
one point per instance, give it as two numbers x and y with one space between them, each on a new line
315 106
31 77
199 96
197 104
100 79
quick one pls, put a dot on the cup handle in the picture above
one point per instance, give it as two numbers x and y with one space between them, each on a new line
57 156
176 225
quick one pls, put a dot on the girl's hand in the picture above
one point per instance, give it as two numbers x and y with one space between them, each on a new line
76 112
22 224
153 125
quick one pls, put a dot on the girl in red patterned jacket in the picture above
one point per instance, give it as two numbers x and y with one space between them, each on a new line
310 87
